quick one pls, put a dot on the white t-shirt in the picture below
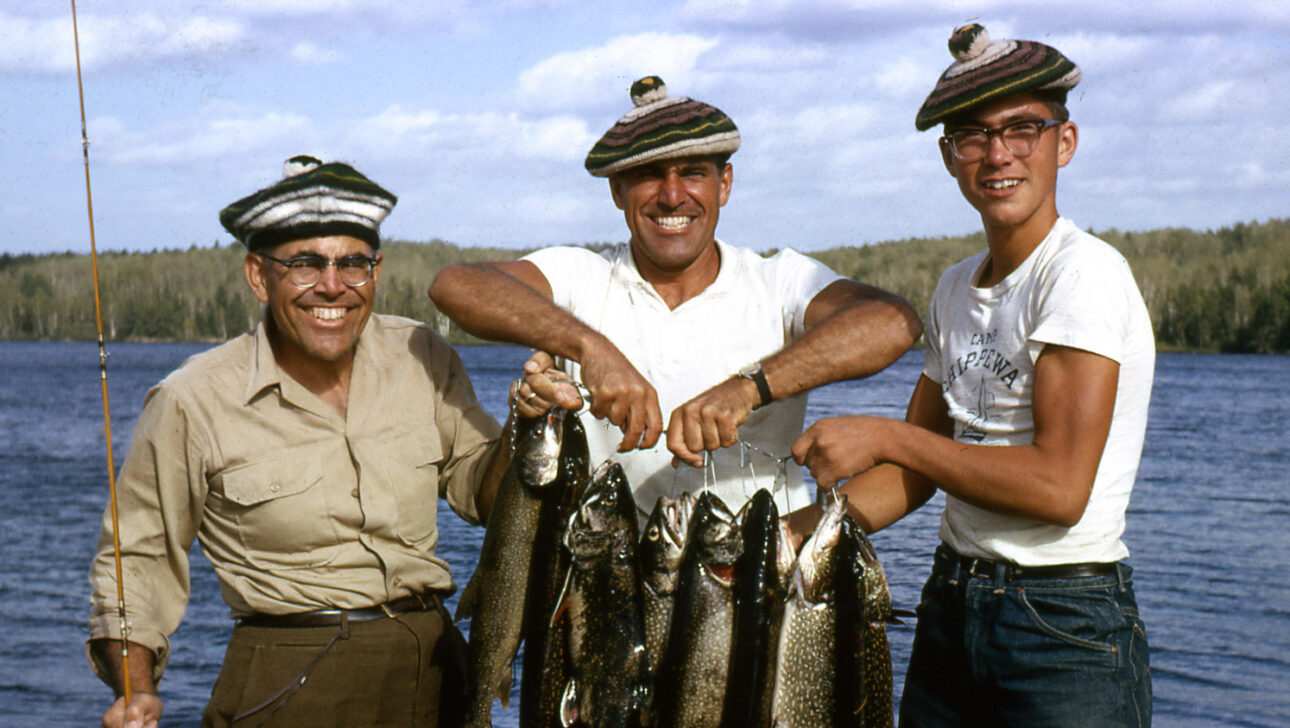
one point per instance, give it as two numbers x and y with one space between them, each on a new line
982 343
754 308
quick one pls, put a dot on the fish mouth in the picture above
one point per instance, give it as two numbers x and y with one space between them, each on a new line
723 574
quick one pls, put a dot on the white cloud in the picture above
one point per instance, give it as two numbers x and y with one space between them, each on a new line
45 45
313 55
206 137
578 79
433 136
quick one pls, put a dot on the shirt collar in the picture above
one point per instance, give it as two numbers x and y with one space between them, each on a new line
726 278
266 374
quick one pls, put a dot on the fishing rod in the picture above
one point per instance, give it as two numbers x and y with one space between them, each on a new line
107 410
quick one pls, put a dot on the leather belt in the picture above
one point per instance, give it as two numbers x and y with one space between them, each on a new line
333 617
1011 572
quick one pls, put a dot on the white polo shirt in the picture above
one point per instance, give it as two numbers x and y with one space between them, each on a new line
754 308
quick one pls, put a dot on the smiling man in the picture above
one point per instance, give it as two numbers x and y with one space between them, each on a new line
1030 415
676 321
307 458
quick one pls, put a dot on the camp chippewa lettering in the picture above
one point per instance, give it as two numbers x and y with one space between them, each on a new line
989 359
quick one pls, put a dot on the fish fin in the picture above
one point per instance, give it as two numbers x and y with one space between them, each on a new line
896 614
466 603
569 704
503 687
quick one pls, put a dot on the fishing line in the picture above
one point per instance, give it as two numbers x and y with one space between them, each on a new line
107 416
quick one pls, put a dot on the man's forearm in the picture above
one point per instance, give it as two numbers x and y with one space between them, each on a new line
486 300
865 331
107 653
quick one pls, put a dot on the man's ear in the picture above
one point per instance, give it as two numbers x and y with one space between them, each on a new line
614 192
727 182
1067 141
253 266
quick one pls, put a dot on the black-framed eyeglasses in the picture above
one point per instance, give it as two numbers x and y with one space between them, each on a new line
1020 138
305 271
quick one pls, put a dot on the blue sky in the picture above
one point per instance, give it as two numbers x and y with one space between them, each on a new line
478 114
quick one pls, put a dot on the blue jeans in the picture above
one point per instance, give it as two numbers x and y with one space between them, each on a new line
989 651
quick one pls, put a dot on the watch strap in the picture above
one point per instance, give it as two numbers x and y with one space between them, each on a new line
758 376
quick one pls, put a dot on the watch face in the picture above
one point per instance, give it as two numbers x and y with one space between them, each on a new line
751 370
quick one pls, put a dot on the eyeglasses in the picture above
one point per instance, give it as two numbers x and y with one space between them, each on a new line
305 271
1019 138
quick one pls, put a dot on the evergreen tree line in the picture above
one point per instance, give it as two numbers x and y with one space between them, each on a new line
1219 290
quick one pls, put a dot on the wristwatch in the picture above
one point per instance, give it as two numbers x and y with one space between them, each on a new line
754 372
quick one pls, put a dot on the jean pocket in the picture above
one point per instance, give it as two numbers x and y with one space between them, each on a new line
1089 620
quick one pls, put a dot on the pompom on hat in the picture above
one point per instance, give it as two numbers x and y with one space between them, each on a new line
985 70
661 127
312 200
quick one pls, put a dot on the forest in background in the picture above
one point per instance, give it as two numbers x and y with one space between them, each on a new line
1218 290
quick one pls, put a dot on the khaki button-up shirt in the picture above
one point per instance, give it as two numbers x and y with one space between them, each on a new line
297 507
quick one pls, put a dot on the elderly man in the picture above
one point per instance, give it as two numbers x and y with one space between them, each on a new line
1030 415
307 458
677 321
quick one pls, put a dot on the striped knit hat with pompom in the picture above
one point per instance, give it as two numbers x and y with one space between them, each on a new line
983 71
661 127
312 200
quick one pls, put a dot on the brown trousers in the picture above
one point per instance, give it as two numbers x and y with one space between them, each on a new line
393 671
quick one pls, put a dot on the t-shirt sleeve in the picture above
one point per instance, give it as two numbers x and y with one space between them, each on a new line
1084 303
570 272
798 280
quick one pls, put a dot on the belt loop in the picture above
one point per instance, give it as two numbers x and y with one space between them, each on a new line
1000 576
344 625
956 566
1119 575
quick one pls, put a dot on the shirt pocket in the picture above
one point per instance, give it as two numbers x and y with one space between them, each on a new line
413 461
280 512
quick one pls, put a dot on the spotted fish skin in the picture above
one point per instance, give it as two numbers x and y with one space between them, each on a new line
694 671
546 664
805 691
609 687
494 597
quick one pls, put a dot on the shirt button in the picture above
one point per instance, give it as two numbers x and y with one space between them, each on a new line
275 487
354 492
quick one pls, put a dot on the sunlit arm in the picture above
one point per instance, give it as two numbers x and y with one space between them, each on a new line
1049 480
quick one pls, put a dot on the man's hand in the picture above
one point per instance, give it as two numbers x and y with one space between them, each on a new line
839 448
542 387
143 712
617 391
711 420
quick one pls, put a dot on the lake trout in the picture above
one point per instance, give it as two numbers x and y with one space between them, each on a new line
545 662
875 613
693 674
609 687
759 601
662 545
495 595
805 692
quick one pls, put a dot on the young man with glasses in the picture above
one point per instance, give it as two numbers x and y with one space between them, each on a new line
307 457
1030 415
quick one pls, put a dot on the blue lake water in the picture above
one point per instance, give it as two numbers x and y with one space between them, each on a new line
1209 528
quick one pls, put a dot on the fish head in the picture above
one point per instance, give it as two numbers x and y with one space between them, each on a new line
608 505
663 544
538 446
816 571
714 534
